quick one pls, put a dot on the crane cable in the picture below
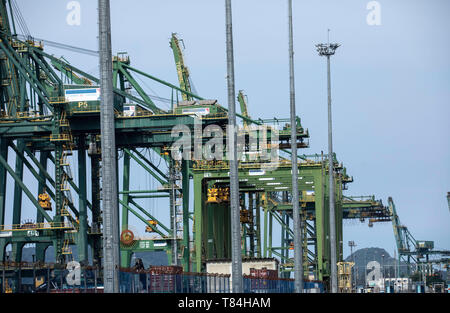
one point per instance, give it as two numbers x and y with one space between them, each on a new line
19 18
27 35
60 45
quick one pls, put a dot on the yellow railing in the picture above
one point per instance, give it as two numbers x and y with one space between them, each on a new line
18 45
61 137
36 44
35 226
63 160
64 211
63 122
66 247
53 100
27 114
64 186
125 59
222 165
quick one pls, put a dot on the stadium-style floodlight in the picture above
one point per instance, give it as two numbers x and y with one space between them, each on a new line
329 50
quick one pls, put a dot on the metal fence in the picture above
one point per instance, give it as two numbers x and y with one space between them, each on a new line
49 278
146 282
265 285
27 277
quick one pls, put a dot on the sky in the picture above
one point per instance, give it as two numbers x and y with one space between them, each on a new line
390 83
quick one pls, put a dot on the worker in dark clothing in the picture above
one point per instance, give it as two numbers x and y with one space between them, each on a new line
139 266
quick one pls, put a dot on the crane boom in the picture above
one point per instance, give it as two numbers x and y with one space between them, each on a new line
182 70
404 239
243 103
396 225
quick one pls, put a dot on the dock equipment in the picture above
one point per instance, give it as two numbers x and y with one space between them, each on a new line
344 272
419 255
50 120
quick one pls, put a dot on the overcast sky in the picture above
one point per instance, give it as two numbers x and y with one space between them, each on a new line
390 83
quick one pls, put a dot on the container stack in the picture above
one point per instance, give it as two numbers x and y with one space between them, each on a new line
264 273
165 278
262 278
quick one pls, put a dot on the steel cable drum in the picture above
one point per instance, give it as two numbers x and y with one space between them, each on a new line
127 237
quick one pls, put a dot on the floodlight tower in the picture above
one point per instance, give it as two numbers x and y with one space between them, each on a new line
236 267
328 50
298 249
111 254
382 271
352 244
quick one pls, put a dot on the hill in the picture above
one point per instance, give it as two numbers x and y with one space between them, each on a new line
362 257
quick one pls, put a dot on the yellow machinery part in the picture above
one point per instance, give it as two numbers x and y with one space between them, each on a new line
44 201
150 229
345 276
245 216
39 281
224 194
213 195
8 289
44 197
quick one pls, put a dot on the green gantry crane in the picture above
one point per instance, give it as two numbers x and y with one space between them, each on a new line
410 250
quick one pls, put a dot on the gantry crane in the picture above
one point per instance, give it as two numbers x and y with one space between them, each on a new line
410 250
403 238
